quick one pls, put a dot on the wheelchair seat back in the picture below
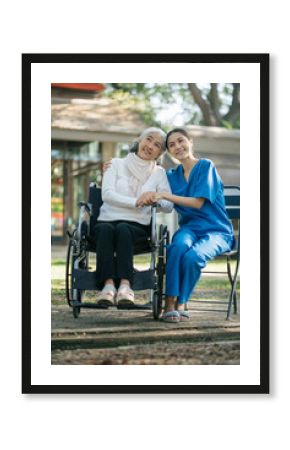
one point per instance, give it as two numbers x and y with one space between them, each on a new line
95 199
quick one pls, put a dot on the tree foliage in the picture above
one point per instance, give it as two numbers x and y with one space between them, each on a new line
213 104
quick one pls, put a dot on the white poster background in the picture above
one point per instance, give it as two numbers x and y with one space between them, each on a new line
42 372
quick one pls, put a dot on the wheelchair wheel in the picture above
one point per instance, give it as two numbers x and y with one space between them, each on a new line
157 305
72 295
158 295
77 309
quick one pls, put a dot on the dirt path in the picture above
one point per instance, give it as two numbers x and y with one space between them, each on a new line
158 353
134 337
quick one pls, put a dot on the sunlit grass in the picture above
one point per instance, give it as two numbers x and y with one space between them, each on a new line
207 287
58 262
213 286
142 260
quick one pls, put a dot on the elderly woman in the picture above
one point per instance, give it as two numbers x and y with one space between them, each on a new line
129 184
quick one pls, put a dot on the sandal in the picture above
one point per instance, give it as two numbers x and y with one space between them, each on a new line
107 296
184 316
170 317
125 295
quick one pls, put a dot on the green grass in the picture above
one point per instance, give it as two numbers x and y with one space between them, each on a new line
58 262
213 286
139 259
142 259
207 287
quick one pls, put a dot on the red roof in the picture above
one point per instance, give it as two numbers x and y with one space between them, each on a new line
80 86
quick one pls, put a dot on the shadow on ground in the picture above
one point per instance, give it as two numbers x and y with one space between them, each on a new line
133 337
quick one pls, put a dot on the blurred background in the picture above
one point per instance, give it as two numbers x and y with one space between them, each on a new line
93 122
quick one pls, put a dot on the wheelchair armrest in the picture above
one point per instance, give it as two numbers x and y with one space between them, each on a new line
87 207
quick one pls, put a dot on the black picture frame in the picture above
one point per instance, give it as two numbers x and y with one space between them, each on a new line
263 61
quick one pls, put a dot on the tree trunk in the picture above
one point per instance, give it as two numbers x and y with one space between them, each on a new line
234 110
209 117
215 102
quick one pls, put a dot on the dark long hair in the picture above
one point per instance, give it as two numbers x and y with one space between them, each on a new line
177 130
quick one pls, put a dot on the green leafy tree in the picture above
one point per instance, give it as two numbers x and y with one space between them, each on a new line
213 104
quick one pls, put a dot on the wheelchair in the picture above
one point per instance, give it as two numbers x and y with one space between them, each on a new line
80 278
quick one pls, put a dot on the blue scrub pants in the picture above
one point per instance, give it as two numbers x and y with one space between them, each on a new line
187 255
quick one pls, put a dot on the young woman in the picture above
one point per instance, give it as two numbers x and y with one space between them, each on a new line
205 230
129 184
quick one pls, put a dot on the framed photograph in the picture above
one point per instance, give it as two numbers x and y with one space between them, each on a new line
187 113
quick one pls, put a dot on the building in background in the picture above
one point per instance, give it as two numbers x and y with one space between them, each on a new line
88 129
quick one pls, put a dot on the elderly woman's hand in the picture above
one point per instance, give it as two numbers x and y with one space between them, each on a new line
146 199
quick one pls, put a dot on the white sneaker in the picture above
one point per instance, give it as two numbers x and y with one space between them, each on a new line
107 296
125 295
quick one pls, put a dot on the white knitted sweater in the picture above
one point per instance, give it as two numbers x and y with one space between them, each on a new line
119 199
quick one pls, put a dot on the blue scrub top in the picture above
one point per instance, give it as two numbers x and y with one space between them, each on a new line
203 181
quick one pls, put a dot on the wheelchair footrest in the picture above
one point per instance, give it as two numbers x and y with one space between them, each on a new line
88 305
87 281
146 306
84 280
143 280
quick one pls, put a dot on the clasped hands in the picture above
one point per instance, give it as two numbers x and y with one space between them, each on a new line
145 199
148 198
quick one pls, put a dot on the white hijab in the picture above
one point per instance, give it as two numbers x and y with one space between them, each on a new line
140 170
